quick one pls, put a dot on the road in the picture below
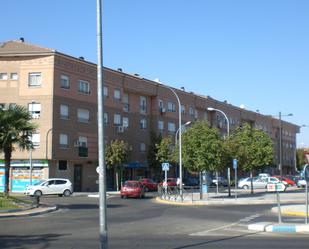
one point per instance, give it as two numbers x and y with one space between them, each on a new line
134 223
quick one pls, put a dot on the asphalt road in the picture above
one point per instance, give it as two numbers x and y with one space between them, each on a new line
134 223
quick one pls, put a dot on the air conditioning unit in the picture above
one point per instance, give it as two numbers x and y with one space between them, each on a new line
120 129
77 143
162 110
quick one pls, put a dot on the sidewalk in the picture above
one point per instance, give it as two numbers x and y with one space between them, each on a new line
42 209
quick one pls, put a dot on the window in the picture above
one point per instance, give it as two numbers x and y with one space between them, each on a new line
171 107
160 125
82 142
83 87
64 112
171 127
35 139
14 76
160 103
117 119
62 165
2 106
125 100
83 115
125 122
117 94
3 76
142 147
105 118
34 109
63 141
142 104
64 82
143 123
191 111
183 109
195 113
105 89
35 79
12 105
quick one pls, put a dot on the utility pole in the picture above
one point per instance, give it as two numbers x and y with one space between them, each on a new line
102 170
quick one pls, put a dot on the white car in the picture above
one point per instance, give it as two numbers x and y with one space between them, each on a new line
301 183
258 183
52 186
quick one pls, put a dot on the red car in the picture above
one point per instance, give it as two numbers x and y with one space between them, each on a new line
149 184
288 181
132 189
170 182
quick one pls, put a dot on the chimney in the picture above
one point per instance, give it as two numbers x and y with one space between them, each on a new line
81 58
182 88
119 69
21 39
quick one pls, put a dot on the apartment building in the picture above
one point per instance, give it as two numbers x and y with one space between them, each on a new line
60 93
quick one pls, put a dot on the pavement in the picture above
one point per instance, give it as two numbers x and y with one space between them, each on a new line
292 204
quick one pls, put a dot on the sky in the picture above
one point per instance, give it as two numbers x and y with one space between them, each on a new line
253 53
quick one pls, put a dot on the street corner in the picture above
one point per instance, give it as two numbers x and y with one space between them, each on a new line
178 203
291 210
30 212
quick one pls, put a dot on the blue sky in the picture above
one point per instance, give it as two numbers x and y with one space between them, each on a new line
246 52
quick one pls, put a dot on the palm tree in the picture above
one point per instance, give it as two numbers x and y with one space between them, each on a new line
15 131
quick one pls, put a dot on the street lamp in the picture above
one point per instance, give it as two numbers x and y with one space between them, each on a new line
46 145
280 139
101 167
180 144
211 109
176 135
30 156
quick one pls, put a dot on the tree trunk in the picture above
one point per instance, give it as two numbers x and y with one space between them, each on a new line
7 162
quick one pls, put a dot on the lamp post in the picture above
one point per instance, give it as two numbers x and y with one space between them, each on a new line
280 140
228 134
176 135
180 143
30 156
295 152
46 145
101 167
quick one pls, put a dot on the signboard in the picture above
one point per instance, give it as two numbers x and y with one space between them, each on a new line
165 166
21 178
235 163
2 179
272 187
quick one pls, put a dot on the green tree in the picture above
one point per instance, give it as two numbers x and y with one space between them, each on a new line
15 130
116 154
252 148
300 158
202 148
153 163
165 150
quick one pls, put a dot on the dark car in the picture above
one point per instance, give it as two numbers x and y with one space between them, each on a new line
191 182
132 189
149 184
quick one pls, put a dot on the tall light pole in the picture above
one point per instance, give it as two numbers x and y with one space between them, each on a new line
30 156
280 140
46 145
101 167
228 134
180 143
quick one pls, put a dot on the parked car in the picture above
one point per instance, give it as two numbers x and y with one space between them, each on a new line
190 181
52 186
171 182
149 184
301 183
286 180
220 182
258 183
132 189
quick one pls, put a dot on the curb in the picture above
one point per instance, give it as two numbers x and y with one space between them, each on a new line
33 213
289 212
278 228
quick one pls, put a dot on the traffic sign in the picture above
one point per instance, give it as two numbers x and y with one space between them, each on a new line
165 166
271 187
99 171
235 163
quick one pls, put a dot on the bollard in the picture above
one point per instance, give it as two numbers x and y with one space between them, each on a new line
36 201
